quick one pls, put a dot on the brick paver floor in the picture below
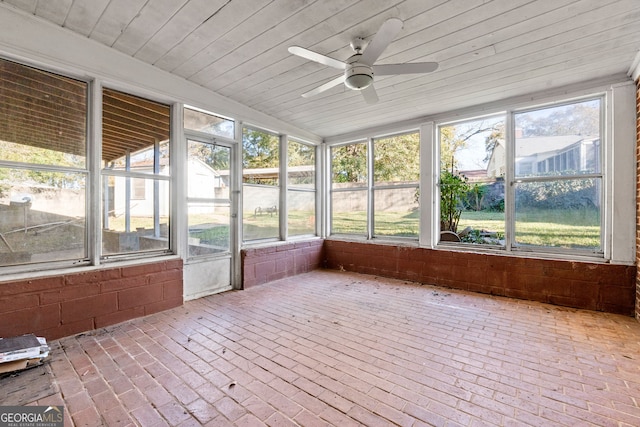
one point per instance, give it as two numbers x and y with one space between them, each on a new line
342 349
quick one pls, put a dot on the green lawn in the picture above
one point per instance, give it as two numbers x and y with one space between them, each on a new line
267 225
568 228
576 228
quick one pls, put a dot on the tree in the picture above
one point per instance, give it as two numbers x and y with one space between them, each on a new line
455 137
449 144
299 154
214 156
397 158
493 139
349 163
40 156
260 150
575 119
476 196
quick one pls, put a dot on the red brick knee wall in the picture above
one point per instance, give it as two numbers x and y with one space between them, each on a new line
63 305
262 265
602 287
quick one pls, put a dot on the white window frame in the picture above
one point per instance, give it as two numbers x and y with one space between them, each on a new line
370 187
435 184
282 158
205 138
293 188
86 172
366 187
156 176
375 187
618 163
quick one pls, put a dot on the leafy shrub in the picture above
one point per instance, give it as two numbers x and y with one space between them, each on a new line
561 194
453 189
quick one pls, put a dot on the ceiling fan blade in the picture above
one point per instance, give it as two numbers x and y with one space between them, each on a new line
387 32
317 57
409 68
326 86
370 95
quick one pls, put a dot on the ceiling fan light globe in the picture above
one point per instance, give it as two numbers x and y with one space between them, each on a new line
358 76
358 81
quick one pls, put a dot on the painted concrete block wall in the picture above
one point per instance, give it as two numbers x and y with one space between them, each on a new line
593 286
63 305
262 265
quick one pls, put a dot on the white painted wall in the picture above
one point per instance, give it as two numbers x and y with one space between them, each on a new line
202 278
623 173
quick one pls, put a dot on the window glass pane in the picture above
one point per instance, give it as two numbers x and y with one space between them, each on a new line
208 123
302 212
472 170
209 225
396 212
138 188
260 178
396 162
260 219
551 208
349 212
143 161
260 157
301 167
562 140
209 205
208 170
135 210
349 170
41 222
42 117
134 225
397 159
349 165
301 196
135 133
562 213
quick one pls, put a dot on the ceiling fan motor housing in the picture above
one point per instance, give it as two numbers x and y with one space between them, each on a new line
357 75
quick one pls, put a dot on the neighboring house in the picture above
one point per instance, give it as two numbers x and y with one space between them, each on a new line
542 155
498 160
201 176
199 180
141 191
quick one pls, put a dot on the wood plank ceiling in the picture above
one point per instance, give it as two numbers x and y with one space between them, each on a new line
487 50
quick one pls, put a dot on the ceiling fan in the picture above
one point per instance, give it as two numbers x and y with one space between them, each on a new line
359 69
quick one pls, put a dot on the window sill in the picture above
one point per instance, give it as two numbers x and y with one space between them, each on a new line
456 247
272 243
19 273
